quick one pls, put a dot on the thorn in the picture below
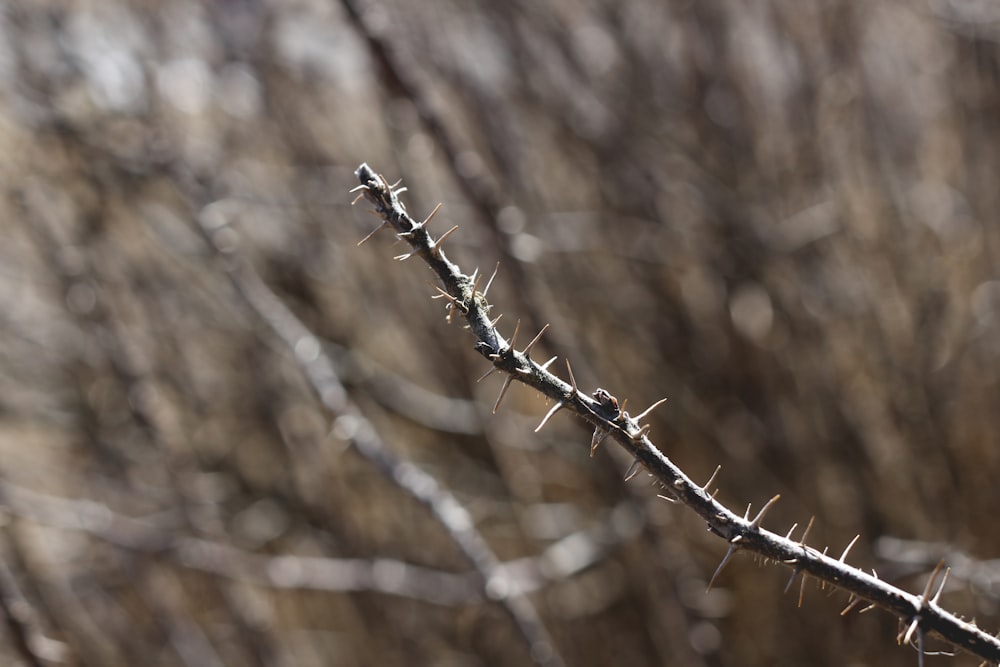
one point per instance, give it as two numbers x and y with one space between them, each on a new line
503 392
358 188
725 559
555 409
527 348
405 256
431 215
850 605
597 439
868 608
849 547
437 244
490 281
395 185
621 408
633 470
385 223
930 583
572 380
802 590
548 363
360 196
455 302
641 432
805 534
791 530
513 338
639 417
711 479
667 498
764 510
475 281
396 193
905 638
494 322
493 369
795 573
944 580
746 515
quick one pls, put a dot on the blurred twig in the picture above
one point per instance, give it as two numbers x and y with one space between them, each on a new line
356 428
919 613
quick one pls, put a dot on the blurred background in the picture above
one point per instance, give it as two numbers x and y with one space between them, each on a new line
780 215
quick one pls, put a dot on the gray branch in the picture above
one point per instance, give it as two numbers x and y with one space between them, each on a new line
920 613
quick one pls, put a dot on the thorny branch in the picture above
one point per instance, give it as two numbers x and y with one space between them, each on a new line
920 614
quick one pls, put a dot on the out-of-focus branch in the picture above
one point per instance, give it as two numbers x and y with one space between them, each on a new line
159 535
23 624
915 556
920 613
358 430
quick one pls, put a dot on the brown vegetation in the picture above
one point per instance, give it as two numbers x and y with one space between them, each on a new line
782 216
